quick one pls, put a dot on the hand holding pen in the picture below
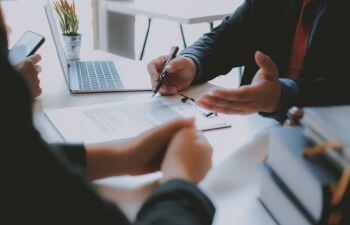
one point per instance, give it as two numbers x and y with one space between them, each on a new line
163 74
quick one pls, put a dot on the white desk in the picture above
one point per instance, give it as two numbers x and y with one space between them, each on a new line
180 11
232 184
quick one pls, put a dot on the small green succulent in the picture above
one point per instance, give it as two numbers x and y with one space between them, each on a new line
67 16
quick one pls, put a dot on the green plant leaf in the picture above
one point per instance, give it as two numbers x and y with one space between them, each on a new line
68 18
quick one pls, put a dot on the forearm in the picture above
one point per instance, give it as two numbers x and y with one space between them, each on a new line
227 46
104 161
96 161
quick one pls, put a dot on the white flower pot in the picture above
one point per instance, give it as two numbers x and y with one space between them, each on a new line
73 45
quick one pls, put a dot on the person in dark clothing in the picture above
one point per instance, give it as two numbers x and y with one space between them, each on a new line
51 184
294 53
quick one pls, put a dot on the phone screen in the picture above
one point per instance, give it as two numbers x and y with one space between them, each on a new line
25 46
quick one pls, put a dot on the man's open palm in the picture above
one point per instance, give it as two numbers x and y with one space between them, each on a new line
262 95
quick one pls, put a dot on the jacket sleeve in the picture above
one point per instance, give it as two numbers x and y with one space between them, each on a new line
75 153
228 45
324 91
177 203
308 93
289 97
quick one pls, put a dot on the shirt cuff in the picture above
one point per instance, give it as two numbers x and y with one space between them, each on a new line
289 98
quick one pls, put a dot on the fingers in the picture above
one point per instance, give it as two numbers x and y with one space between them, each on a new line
234 105
173 83
202 139
176 64
244 93
188 132
154 67
221 109
239 101
175 126
37 91
31 71
267 65
38 68
168 90
35 59
167 130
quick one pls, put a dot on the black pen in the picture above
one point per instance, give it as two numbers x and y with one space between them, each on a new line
172 55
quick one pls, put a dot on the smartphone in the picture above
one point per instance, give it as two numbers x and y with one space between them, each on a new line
26 46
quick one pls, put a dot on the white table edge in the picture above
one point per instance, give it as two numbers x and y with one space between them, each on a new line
126 8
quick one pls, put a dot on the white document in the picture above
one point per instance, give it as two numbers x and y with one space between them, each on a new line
107 122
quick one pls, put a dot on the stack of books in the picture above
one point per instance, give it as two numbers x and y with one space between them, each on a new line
307 172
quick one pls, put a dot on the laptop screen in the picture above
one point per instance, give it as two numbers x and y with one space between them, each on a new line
56 36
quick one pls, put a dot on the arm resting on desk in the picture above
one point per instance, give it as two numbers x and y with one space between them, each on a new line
60 190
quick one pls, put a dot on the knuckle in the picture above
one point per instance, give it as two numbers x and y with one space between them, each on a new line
162 58
27 63
154 76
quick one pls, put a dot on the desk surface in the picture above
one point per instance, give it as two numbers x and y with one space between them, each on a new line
232 184
182 11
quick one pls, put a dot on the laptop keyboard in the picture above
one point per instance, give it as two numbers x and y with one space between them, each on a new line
98 76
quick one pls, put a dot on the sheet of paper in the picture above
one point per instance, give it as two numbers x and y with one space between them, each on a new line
121 120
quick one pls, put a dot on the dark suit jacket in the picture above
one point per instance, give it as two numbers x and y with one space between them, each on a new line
46 184
269 26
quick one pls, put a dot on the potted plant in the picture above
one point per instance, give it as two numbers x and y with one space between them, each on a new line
69 23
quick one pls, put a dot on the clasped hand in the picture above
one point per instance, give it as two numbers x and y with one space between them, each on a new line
175 149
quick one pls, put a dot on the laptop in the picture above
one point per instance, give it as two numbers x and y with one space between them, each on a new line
93 76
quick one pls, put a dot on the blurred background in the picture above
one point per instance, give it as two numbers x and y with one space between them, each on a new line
124 34
163 33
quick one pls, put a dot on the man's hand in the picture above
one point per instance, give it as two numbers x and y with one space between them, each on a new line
181 72
137 156
189 157
262 95
30 70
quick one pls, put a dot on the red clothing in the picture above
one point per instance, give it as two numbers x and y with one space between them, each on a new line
300 43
